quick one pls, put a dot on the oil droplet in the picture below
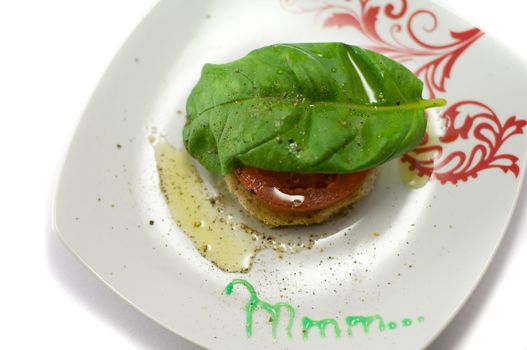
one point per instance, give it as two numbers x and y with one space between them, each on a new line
333 69
229 245
411 178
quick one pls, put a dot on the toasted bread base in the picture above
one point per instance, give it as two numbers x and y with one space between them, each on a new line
275 218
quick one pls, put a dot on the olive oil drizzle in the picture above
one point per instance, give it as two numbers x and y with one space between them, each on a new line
229 245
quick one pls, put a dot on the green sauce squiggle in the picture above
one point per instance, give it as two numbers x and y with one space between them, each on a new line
274 311
308 323
365 321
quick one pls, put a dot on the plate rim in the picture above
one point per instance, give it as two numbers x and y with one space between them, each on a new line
510 51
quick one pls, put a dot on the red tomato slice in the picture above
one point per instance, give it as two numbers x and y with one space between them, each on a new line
296 192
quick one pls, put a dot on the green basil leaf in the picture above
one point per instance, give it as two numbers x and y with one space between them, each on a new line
311 108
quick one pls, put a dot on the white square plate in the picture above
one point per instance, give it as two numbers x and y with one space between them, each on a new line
433 244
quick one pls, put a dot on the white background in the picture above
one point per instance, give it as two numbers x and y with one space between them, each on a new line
52 53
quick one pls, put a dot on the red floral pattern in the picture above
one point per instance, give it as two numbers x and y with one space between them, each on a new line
467 120
403 40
